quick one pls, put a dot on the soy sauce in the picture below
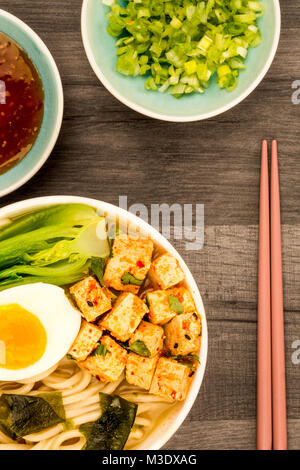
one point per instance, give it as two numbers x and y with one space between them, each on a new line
21 103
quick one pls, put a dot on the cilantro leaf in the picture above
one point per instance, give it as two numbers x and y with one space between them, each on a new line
187 360
100 350
175 304
128 278
140 348
97 268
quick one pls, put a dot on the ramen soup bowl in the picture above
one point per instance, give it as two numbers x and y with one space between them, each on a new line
33 54
170 420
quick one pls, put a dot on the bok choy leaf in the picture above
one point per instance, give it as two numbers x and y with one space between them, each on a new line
53 245
67 214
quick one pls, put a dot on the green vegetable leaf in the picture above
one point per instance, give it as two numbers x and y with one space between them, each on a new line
97 268
54 215
21 415
54 245
139 348
86 242
175 304
60 274
188 360
100 350
111 430
128 278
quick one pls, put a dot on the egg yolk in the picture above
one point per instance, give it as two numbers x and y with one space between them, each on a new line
23 338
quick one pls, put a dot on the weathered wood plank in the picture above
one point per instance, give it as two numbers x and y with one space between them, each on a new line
240 434
229 387
221 153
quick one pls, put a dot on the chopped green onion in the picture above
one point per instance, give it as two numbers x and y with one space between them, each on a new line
178 45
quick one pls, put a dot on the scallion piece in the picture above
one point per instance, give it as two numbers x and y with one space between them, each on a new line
178 45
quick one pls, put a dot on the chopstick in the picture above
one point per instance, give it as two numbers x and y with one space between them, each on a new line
264 386
271 386
278 358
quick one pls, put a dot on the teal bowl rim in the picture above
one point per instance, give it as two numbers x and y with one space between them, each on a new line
174 118
60 105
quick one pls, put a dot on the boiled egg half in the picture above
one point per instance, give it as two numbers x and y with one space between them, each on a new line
38 325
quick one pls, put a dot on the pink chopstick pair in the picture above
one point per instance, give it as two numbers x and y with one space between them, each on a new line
271 387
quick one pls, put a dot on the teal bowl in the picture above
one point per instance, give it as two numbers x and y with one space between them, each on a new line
101 52
53 104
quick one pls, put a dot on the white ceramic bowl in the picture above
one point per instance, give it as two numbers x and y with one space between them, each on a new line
164 431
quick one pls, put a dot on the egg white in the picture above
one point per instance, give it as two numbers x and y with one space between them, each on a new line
59 318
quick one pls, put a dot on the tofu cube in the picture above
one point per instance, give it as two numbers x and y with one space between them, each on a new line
125 316
160 304
140 370
183 334
151 335
92 299
110 366
165 271
131 261
185 298
159 307
171 379
86 341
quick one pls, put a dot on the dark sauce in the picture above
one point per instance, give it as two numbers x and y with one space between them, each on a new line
21 103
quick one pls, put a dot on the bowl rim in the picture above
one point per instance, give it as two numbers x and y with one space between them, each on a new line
179 416
42 46
174 118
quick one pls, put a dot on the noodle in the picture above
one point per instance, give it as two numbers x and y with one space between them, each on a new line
80 393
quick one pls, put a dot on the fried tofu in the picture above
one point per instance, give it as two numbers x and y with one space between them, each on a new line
151 335
171 379
183 334
107 367
130 263
86 341
92 299
159 308
140 370
161 305
165 271
185 298
125 316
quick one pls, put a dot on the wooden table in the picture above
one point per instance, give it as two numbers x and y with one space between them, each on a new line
106 150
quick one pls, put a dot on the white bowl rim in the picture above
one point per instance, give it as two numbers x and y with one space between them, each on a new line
36 203
59 117
174 118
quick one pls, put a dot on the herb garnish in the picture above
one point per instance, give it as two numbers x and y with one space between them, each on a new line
129 278
175 304
188 360
97 268
100 350
139 348
69 356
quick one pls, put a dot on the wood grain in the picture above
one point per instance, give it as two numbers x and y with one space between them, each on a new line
106 150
